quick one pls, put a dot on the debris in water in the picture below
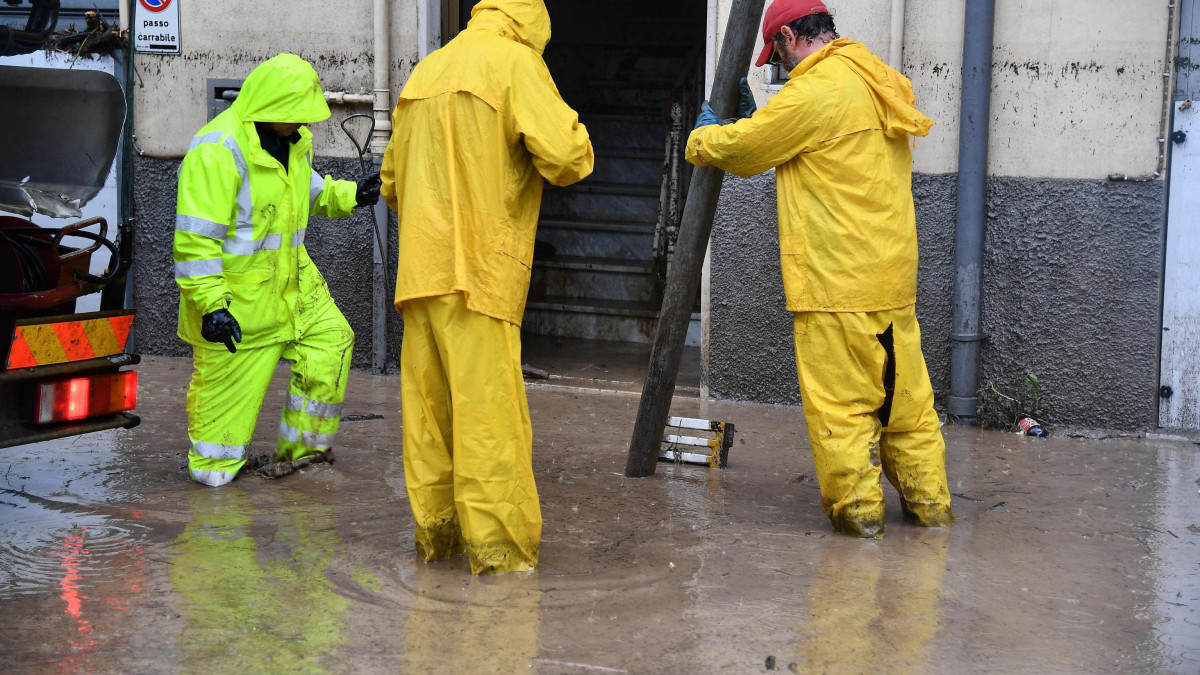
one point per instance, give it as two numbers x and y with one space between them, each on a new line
361 418
281 469
534 373
997 506
770 663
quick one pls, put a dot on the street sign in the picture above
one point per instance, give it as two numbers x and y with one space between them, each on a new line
156 27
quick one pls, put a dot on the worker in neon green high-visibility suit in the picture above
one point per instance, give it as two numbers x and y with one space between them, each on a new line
837 135
478 130
246 190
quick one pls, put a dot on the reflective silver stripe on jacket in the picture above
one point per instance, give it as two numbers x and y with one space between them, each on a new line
239 246
306 438
307 406
198 268
216 451
316 186
210 137
200 226
298 238
242 242
245 204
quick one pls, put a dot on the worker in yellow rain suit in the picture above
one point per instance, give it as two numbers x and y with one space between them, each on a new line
838 135
246 190
477 127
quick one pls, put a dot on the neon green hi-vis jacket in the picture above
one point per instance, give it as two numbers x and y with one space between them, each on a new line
478 125
838 135
241 218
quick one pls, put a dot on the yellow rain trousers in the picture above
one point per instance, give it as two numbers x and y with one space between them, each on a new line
868 405
837 135
227 391
240 224
477 129
468 444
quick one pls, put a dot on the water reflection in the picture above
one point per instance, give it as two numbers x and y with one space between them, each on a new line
1176 610
869 613
471 624
256 595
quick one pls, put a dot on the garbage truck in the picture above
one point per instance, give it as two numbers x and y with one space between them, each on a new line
64 370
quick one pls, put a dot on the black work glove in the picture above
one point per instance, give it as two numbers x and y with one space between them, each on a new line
746 104
220 326
368 190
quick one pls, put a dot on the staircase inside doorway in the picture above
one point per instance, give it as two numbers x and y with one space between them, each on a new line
619 64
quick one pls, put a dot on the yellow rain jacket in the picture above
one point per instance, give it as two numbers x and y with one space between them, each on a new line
847 227
241 218
461 117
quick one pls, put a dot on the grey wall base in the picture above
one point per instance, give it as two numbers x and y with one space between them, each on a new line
1072 283
341 248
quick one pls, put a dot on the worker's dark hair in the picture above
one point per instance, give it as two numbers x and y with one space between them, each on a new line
811 27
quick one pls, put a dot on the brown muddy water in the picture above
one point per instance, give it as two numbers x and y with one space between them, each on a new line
1069 555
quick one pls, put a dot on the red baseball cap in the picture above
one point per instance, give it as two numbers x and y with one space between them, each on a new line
780 13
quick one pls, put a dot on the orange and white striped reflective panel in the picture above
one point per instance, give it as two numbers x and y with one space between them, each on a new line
44 344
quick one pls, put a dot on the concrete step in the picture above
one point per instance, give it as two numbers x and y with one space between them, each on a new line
613 279
598 200
617 127
598 238
628 165
598 319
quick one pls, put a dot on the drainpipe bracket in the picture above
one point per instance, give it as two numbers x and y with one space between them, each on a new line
968 337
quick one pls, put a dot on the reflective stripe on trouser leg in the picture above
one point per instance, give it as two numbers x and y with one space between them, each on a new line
223 401
840 364
495 496
320 359
428 439
911 445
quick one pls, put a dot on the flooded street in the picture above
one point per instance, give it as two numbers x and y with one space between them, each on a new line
1069 555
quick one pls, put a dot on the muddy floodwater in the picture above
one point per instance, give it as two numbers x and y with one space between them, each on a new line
1069 555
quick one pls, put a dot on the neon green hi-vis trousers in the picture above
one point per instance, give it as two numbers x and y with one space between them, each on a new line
468 444
227 392
869 406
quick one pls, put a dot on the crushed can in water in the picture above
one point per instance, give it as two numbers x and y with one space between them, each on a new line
1030 427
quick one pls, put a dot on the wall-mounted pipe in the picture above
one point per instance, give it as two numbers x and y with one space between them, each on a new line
335 97
966 333
896 47
381 107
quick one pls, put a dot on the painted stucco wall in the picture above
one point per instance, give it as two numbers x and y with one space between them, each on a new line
227 39
1077 84
341 249
1071 284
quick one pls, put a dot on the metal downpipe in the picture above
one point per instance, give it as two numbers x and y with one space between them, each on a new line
966 333
379 140
896 45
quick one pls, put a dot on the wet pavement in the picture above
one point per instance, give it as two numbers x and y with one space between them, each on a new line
1069 555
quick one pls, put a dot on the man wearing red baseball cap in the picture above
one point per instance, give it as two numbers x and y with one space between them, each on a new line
838 134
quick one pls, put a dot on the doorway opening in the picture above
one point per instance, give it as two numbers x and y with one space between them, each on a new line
634 71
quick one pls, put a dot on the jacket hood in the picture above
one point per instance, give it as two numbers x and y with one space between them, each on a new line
525 21
284 88
894 97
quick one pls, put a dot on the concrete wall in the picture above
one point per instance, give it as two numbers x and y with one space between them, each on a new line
1073 263
1071 284
227 39
1077 84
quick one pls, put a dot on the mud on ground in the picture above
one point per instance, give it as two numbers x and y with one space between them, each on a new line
1069 555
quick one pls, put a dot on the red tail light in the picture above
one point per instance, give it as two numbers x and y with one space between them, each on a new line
82 397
